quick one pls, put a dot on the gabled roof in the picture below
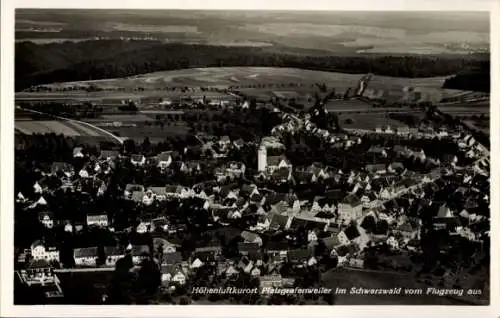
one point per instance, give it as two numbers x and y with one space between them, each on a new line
158 190
275 197
397 165
281 173
211 248
247 189
351 232
275 160
137 157
444 211
168 269
172 188
299 255
112 251
276 246
109 154
61 166
335 194
165 156
375 167
43 214
376 149
278 221
134 187
172 258
405 227
248 247
250 237
331 242
139 250
352 200
85 252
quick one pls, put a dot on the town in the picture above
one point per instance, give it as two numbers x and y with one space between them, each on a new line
283 202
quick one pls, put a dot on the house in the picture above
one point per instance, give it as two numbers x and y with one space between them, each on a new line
396 167
406 230
179 277
40 252
159 224
350 208
108 155
281 175
47 219
298 256
171 258
83 173
247 249
332 241
78 152
403 130
41 202
356 262
172 274
376 168
85 256
173 190
157 193
57 167
224 141
130 188
377 151
139 253
277 249
100 220
167 272
37 188
138 160
271 281
232 273
164 159
249 237
20 198
351 233
276 162
196 264
239 143
208 253
112 255
280 222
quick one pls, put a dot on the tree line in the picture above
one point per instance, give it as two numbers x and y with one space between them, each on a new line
92 60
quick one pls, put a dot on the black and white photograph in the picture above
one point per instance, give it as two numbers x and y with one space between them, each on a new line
251 157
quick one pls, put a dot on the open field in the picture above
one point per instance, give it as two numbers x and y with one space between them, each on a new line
255 81
227 76
368 121
54 126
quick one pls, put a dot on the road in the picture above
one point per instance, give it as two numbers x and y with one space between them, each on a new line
83 270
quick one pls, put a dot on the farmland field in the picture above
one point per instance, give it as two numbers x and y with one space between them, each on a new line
54 126
368 121
245 77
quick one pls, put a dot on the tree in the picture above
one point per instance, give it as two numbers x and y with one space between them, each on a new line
146 145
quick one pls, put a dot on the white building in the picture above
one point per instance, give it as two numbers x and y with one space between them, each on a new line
262 158
85 256
39 252
100 220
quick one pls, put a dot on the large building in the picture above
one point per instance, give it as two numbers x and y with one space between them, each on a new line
262 158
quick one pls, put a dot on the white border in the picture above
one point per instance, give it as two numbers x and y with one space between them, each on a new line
6 172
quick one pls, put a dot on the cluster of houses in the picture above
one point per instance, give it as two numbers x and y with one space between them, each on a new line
379 204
